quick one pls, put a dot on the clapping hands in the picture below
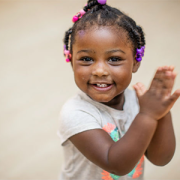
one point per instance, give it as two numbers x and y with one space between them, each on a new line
157 101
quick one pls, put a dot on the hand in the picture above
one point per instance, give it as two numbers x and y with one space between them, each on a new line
157 101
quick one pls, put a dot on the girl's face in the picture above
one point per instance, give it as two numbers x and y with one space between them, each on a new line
103 63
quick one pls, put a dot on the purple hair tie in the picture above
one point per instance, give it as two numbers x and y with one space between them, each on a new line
140 53
102 2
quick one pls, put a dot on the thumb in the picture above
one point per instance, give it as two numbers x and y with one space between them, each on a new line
137 90
140 89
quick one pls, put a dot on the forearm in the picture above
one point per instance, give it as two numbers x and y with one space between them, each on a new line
162 146
124 154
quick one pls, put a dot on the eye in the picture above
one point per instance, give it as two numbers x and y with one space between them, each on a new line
115 59
86 59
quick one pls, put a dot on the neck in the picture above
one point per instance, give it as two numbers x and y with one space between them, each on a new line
117 102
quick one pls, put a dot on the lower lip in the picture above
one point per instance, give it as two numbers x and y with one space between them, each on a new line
102 88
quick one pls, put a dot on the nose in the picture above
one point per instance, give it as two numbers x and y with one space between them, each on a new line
100 69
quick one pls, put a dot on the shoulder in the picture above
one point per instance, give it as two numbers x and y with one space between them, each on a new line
78 104
77 115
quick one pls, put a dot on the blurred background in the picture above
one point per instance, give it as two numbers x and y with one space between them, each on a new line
35 80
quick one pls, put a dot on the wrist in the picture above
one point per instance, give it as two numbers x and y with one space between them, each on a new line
148 115
168 115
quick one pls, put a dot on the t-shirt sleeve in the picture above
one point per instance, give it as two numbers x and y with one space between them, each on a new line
74 122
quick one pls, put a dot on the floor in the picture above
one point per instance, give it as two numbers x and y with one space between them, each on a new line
36 81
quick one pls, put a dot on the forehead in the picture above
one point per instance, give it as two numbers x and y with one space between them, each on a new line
100 37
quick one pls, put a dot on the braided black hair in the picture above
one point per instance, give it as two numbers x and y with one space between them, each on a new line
104 15
66 38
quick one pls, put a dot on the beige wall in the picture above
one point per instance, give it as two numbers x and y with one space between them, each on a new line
35 80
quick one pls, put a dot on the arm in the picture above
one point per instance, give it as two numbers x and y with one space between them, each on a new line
117 157
162 146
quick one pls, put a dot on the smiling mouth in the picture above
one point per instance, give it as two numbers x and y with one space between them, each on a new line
102 87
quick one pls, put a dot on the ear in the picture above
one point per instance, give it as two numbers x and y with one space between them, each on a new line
136 65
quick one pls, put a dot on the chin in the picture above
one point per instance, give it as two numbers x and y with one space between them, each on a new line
101 98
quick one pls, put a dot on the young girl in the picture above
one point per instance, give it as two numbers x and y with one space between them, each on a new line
106 129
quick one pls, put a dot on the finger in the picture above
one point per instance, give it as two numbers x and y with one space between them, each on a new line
168 68
173 98
137 90
142 88
163 81
171 68
168 83
165 68
156 83
174 75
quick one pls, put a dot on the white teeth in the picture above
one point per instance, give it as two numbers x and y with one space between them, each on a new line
102 85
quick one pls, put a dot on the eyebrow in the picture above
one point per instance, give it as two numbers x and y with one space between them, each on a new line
115 50
107 52
85 50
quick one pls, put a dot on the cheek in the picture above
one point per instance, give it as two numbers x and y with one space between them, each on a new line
81 76
122 76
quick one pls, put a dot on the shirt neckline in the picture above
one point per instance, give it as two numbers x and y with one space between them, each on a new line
104 107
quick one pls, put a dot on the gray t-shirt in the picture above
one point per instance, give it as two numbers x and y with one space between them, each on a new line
81 113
